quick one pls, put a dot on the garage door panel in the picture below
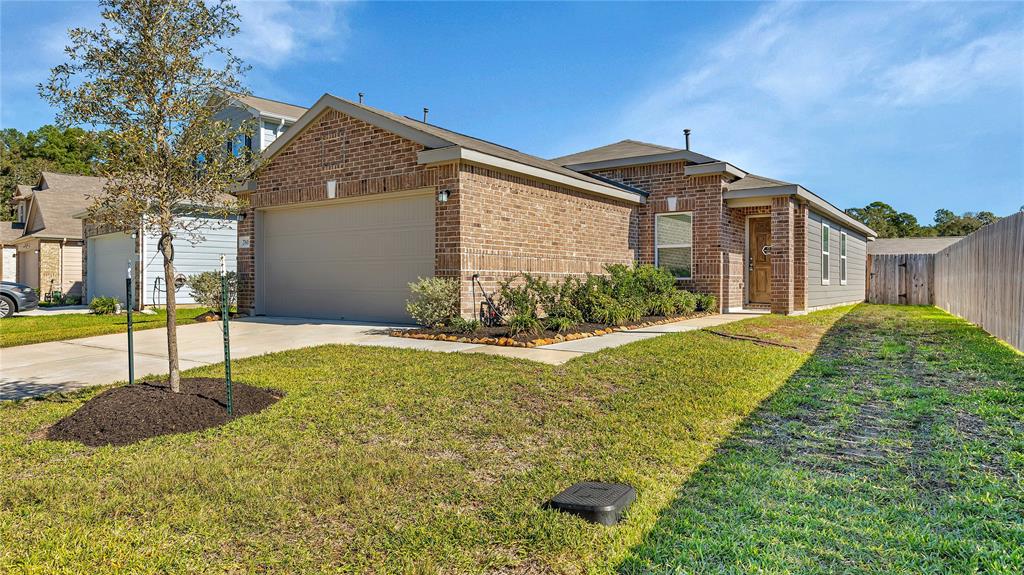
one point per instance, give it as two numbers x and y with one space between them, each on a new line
107 261
351 261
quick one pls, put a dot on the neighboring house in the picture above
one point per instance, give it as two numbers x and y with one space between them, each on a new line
108 252
353 203
46 236
899 246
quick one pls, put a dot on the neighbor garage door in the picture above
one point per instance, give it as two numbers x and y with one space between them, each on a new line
352 260
107 260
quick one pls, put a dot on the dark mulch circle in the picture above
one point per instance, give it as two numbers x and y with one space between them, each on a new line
131 413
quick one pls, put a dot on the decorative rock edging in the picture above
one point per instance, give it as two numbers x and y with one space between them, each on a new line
510 342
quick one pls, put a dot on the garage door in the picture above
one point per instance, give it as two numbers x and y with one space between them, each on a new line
352 260
107 261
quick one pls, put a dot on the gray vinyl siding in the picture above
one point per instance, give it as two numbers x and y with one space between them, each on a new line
835 293
219 237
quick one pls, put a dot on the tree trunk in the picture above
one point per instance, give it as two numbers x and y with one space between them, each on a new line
167 250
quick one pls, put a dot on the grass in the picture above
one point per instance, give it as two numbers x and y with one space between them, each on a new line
388 460
23 330
897 448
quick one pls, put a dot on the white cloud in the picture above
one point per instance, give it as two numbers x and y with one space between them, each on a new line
276 33
759 92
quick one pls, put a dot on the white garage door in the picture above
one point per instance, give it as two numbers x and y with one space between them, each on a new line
352 260
107 261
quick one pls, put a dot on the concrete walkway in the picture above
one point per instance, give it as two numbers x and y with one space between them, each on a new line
36 369
64 309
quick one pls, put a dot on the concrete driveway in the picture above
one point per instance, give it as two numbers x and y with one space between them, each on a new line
41 368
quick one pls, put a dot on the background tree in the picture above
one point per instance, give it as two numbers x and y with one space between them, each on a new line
949 224
885 220
154 74
24 155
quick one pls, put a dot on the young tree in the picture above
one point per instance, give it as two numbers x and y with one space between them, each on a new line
154 74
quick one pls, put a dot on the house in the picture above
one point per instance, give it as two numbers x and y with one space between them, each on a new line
46 238
899 246
354 202
109 251
9 232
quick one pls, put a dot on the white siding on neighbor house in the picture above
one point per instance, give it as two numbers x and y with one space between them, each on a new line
219 238
107 262
835 292
10 264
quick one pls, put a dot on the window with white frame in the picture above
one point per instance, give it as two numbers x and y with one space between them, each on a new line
842 258
673 243
825 233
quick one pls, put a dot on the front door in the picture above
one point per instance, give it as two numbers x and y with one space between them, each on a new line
759 265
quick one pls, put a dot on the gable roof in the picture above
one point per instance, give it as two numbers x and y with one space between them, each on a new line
446 145
753 181
57 199
9 233
911 245
628 153
272 107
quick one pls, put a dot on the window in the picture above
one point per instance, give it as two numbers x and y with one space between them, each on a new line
842 258
825 233
673 243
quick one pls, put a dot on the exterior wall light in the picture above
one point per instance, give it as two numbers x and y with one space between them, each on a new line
332 189
671 201
442 196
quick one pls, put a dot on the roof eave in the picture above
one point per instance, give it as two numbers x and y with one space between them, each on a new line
458 153
802 193
679 155
725 168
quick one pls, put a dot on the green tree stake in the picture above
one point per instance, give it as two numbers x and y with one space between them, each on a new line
131 347
224 314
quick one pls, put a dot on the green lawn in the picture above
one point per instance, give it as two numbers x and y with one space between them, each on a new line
23 330
388 460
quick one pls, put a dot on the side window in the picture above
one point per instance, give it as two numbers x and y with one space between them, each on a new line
842 258
673 243
825 259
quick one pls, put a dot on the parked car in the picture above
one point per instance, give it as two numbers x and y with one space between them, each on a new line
15 297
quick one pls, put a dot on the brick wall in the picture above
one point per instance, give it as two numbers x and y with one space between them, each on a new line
782 257
735 257
700 194
511 224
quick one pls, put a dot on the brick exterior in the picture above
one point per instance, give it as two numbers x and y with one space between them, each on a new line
800 258
494 223
783 216
734 248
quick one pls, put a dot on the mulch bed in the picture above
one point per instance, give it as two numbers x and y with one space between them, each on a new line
131 413
500 336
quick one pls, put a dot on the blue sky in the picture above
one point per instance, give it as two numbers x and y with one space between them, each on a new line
920 105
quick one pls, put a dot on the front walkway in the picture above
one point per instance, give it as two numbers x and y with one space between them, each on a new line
41 368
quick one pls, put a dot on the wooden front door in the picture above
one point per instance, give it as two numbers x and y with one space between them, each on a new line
759 263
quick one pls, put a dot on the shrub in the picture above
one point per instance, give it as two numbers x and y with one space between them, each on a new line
435 301
518 298
706 302
104 305
663 304
686 302
206 289
560 323
556 301
523 323
458 324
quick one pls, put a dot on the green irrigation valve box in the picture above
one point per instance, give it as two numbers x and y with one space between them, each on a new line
596 502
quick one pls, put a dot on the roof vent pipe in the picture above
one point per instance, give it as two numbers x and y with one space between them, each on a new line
361 97
425 112
686 133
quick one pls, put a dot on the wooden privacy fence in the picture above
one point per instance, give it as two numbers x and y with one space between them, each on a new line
901 278
980 278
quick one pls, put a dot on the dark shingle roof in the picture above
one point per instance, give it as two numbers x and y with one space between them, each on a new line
63 196
753 181
272 107
623 150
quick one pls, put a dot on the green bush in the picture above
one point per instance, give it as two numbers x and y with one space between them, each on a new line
706 302
523 323
459 324
206 289
104 305
556 301
663 304
435 301
560 324
686 302
518 298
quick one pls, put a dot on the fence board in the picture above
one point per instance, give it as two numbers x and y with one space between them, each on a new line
901 278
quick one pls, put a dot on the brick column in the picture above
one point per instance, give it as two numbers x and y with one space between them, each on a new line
782 254
246 260
800 258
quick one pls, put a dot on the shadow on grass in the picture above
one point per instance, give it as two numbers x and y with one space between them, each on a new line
889 451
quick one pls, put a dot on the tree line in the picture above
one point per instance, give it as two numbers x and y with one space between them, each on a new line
890 223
